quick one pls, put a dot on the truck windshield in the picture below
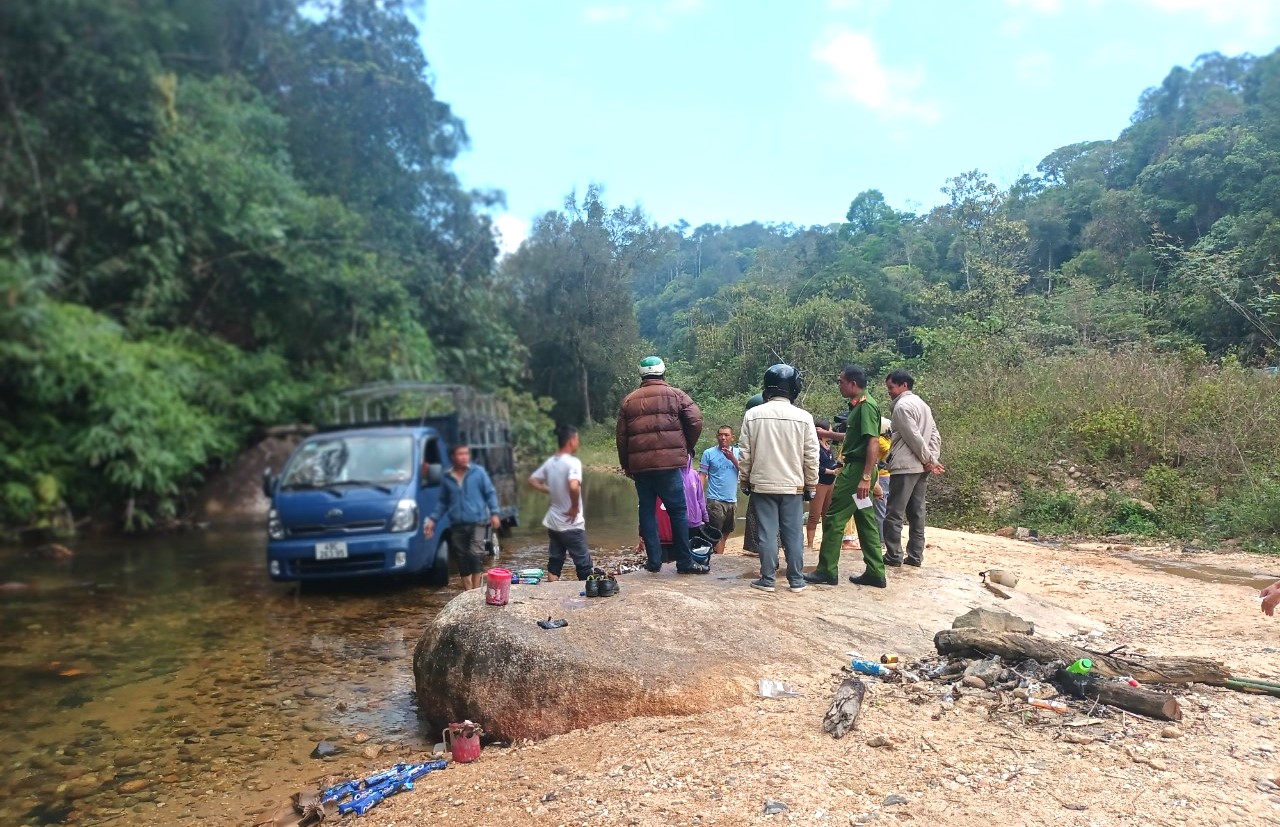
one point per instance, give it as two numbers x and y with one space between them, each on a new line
332 461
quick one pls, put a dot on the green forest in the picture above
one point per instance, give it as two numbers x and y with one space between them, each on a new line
212 214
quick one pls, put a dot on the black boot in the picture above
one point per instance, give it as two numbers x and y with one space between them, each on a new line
866 579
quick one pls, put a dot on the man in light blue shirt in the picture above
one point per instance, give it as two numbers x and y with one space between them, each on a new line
719 469
469 499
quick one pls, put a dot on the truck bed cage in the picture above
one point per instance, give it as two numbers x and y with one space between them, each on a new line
483 421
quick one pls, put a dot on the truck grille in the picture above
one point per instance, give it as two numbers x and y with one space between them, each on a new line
354 564
337 528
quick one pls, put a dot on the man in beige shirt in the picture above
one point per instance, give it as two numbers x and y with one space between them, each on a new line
779 469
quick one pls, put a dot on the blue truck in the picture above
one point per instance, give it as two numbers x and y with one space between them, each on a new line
351 499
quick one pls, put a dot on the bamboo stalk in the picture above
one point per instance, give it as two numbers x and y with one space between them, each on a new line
1254 686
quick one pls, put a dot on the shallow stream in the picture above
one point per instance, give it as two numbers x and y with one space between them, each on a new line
158 680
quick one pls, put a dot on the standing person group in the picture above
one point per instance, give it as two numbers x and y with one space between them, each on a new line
851 493
913 458
657 432
779 470
827 468
467 495
560 477
719 469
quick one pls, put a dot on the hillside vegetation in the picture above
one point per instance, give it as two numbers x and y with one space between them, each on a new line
215 213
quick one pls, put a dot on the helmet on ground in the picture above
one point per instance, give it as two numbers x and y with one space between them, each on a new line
782 380
758 399
651 367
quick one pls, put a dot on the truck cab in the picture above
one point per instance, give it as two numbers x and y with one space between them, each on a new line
351 499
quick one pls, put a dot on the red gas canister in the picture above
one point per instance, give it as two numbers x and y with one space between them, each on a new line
499 587
463 740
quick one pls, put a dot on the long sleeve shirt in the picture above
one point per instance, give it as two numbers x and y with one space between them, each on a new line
916 441
474 500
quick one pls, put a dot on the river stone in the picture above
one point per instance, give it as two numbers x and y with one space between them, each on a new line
324 749
986 671
990 620
667 644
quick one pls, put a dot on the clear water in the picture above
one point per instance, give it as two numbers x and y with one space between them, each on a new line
173 664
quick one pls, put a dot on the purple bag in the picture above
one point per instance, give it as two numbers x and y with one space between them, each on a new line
694 497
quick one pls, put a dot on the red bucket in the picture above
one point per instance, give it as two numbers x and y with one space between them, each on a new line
499 587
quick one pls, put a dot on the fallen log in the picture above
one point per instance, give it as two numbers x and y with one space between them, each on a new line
1015 647
1147 702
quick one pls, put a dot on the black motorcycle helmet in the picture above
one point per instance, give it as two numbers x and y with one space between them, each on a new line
782 380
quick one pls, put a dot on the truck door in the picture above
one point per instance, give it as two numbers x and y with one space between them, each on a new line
430 474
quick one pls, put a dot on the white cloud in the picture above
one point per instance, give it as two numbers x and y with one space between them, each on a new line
869 7
605 14
511 231
653 16
1255 13
863 78
1041 6
1033 69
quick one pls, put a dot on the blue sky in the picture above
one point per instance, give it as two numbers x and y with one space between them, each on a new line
727 112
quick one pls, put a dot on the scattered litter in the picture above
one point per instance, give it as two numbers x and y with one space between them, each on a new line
1001 577
894 800
770 688
360 795
772 808
867 667
553 624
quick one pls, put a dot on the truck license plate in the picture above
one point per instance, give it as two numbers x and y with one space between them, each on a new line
331 551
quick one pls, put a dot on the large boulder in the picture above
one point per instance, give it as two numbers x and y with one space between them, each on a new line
671 644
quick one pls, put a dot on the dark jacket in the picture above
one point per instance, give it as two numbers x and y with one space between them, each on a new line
658 428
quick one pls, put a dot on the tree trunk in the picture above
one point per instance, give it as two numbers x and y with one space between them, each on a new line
585 388
1014 647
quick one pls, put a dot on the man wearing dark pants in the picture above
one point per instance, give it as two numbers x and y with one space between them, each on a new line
751 531
780 468
657 432
467 495
912 459
851 494
560 477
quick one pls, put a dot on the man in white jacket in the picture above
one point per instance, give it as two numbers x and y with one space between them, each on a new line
913 457
779 469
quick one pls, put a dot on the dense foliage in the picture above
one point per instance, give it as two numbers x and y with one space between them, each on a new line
1111 311
212 213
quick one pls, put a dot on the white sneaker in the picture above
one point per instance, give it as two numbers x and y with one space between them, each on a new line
798 589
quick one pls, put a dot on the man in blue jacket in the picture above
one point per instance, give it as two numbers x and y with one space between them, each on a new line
467 495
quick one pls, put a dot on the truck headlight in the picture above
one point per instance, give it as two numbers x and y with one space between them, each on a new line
401 559
274 568
275 528
406 516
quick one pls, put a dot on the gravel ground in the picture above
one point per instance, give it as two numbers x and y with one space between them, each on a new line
916 758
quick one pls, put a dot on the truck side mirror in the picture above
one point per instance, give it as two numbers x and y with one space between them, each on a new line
268 483
432 474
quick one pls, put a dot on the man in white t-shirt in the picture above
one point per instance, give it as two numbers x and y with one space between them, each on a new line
561 478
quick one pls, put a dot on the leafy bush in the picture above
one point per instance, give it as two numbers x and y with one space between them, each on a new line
1128 516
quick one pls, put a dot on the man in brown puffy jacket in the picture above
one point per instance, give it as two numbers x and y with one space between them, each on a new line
658 429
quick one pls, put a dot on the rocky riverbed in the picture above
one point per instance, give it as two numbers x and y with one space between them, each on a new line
150 697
